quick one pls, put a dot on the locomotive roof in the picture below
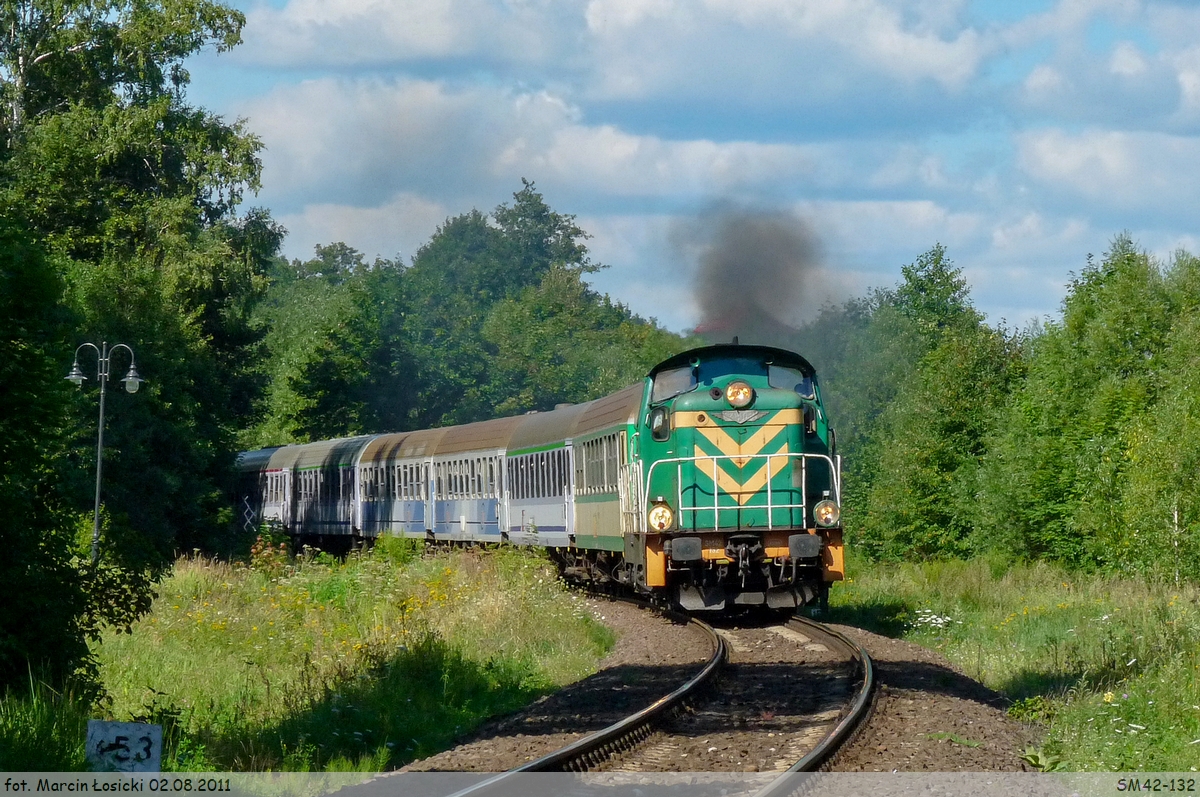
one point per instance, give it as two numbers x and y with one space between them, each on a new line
779 356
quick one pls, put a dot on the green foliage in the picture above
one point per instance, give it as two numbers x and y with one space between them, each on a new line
912 378
1161 497
1072 442
93 52
1107 664
36 630
932 438
42 730
457 278
934 294
132 192
560 342
1060 466
398 551
1042 761
1034 709
136 190
492 318
305 309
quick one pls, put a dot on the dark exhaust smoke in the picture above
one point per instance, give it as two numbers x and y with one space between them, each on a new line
758 274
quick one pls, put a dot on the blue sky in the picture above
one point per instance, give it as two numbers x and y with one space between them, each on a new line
1021 135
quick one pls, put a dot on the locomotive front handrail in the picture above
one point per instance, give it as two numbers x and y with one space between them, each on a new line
771 507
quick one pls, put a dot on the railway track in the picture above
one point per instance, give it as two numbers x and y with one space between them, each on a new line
798 690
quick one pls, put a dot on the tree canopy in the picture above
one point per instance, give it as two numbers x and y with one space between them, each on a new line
491 317
129 196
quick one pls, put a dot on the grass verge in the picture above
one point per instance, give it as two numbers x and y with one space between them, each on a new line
1110 666
311 663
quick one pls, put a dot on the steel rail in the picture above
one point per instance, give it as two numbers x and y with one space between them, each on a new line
593 749
840 734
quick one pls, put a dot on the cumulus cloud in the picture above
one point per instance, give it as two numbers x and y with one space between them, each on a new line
373 32
1116 169
396 228
634 49
361 141
776 53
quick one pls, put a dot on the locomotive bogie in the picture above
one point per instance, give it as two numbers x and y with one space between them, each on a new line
713 483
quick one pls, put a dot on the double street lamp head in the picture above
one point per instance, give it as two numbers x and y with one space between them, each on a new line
132 380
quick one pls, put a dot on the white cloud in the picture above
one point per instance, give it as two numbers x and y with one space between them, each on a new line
362 141
1066 20
874 33
398 227
1134 171
1126 60
1045 81
872 118
350 32
617 163
872 228
632 48
910 166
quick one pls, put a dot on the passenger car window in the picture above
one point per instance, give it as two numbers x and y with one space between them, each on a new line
790 379
672 382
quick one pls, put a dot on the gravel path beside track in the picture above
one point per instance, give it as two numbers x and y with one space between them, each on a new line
930 717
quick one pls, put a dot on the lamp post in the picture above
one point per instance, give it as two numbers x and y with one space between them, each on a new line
132 382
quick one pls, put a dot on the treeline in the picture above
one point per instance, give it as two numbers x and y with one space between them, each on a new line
120 221
491 318
1075 441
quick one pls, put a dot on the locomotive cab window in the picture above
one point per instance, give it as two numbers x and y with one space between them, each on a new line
660 424
790 379
672 382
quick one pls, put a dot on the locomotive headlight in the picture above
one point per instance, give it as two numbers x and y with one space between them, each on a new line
827 513
661 517
739 394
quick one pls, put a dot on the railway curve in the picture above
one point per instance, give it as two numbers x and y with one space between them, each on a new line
723 694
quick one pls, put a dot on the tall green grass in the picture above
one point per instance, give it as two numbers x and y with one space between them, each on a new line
42 730
311 663
1110 665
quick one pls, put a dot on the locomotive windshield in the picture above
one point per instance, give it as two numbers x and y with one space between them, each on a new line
670 382
790 379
